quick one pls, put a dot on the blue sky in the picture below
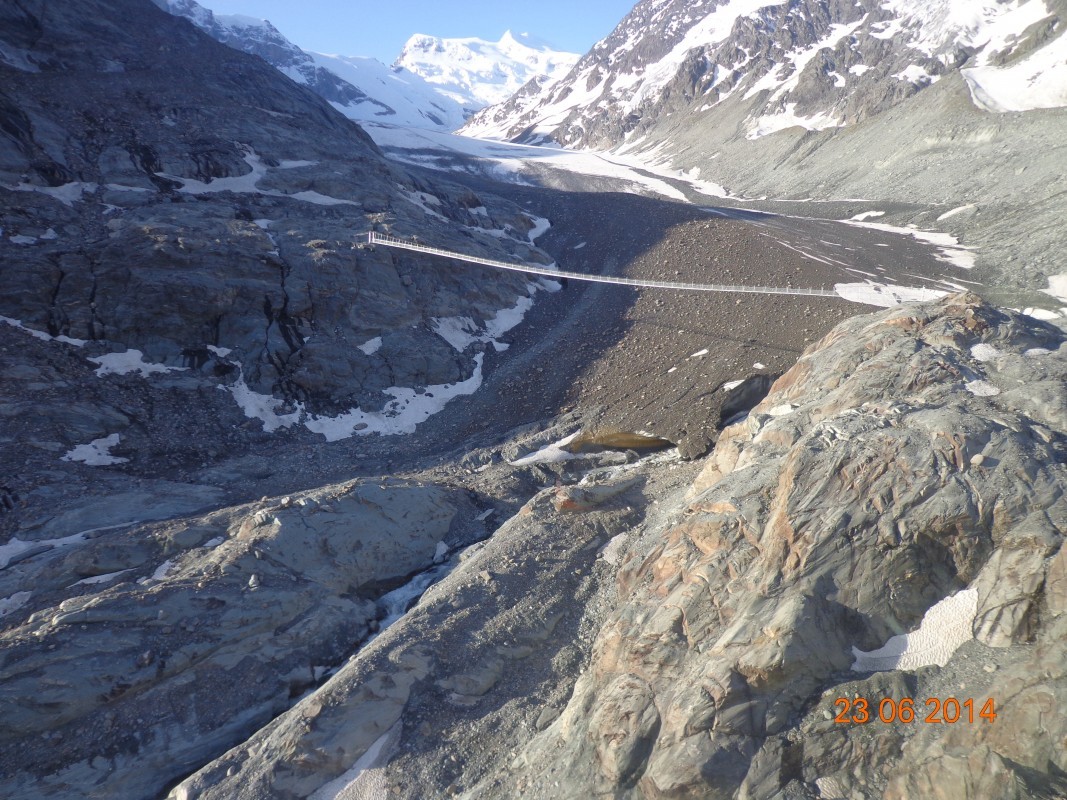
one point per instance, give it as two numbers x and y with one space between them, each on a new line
379 28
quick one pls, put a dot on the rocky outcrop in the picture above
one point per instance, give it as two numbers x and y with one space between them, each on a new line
909 457
869 484
142 654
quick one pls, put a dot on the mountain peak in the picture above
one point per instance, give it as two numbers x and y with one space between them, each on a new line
435 82
420 42
524 39
475 72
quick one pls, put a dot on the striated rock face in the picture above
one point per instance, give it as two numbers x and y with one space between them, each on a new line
141 655
911 456
869 484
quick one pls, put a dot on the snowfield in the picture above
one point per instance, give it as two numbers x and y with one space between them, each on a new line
96 454
945 627
474 73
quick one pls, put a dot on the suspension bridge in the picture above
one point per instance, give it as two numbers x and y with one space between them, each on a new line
385 240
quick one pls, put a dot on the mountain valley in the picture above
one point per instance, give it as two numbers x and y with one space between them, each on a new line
288 515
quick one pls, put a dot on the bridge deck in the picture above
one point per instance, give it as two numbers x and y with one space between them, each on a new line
535 269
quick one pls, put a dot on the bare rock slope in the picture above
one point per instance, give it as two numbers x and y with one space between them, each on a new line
161 191
168 201
633 638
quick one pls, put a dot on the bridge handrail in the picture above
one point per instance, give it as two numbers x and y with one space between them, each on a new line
374 237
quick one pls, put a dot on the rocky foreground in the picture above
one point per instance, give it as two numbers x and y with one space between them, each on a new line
639 627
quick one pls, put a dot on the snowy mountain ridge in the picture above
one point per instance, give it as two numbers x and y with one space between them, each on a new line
434 83
478 73
363 89
813 64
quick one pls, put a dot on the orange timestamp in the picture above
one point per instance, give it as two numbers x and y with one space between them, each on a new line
935 710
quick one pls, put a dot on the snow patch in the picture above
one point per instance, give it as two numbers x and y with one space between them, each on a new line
13 603
402 414
1041 313
16 547
917 75
982 389
162 570
794 63
1057 287
951 251
441 553
238 183
423 200
945 626
125 363
364 779
712 29
885 295
506 319
67 194
549 454
371 346
772 123
96 454
955 211
263 407
540 225
984 352
96 579
249 184
1037 81
462 332
44 337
